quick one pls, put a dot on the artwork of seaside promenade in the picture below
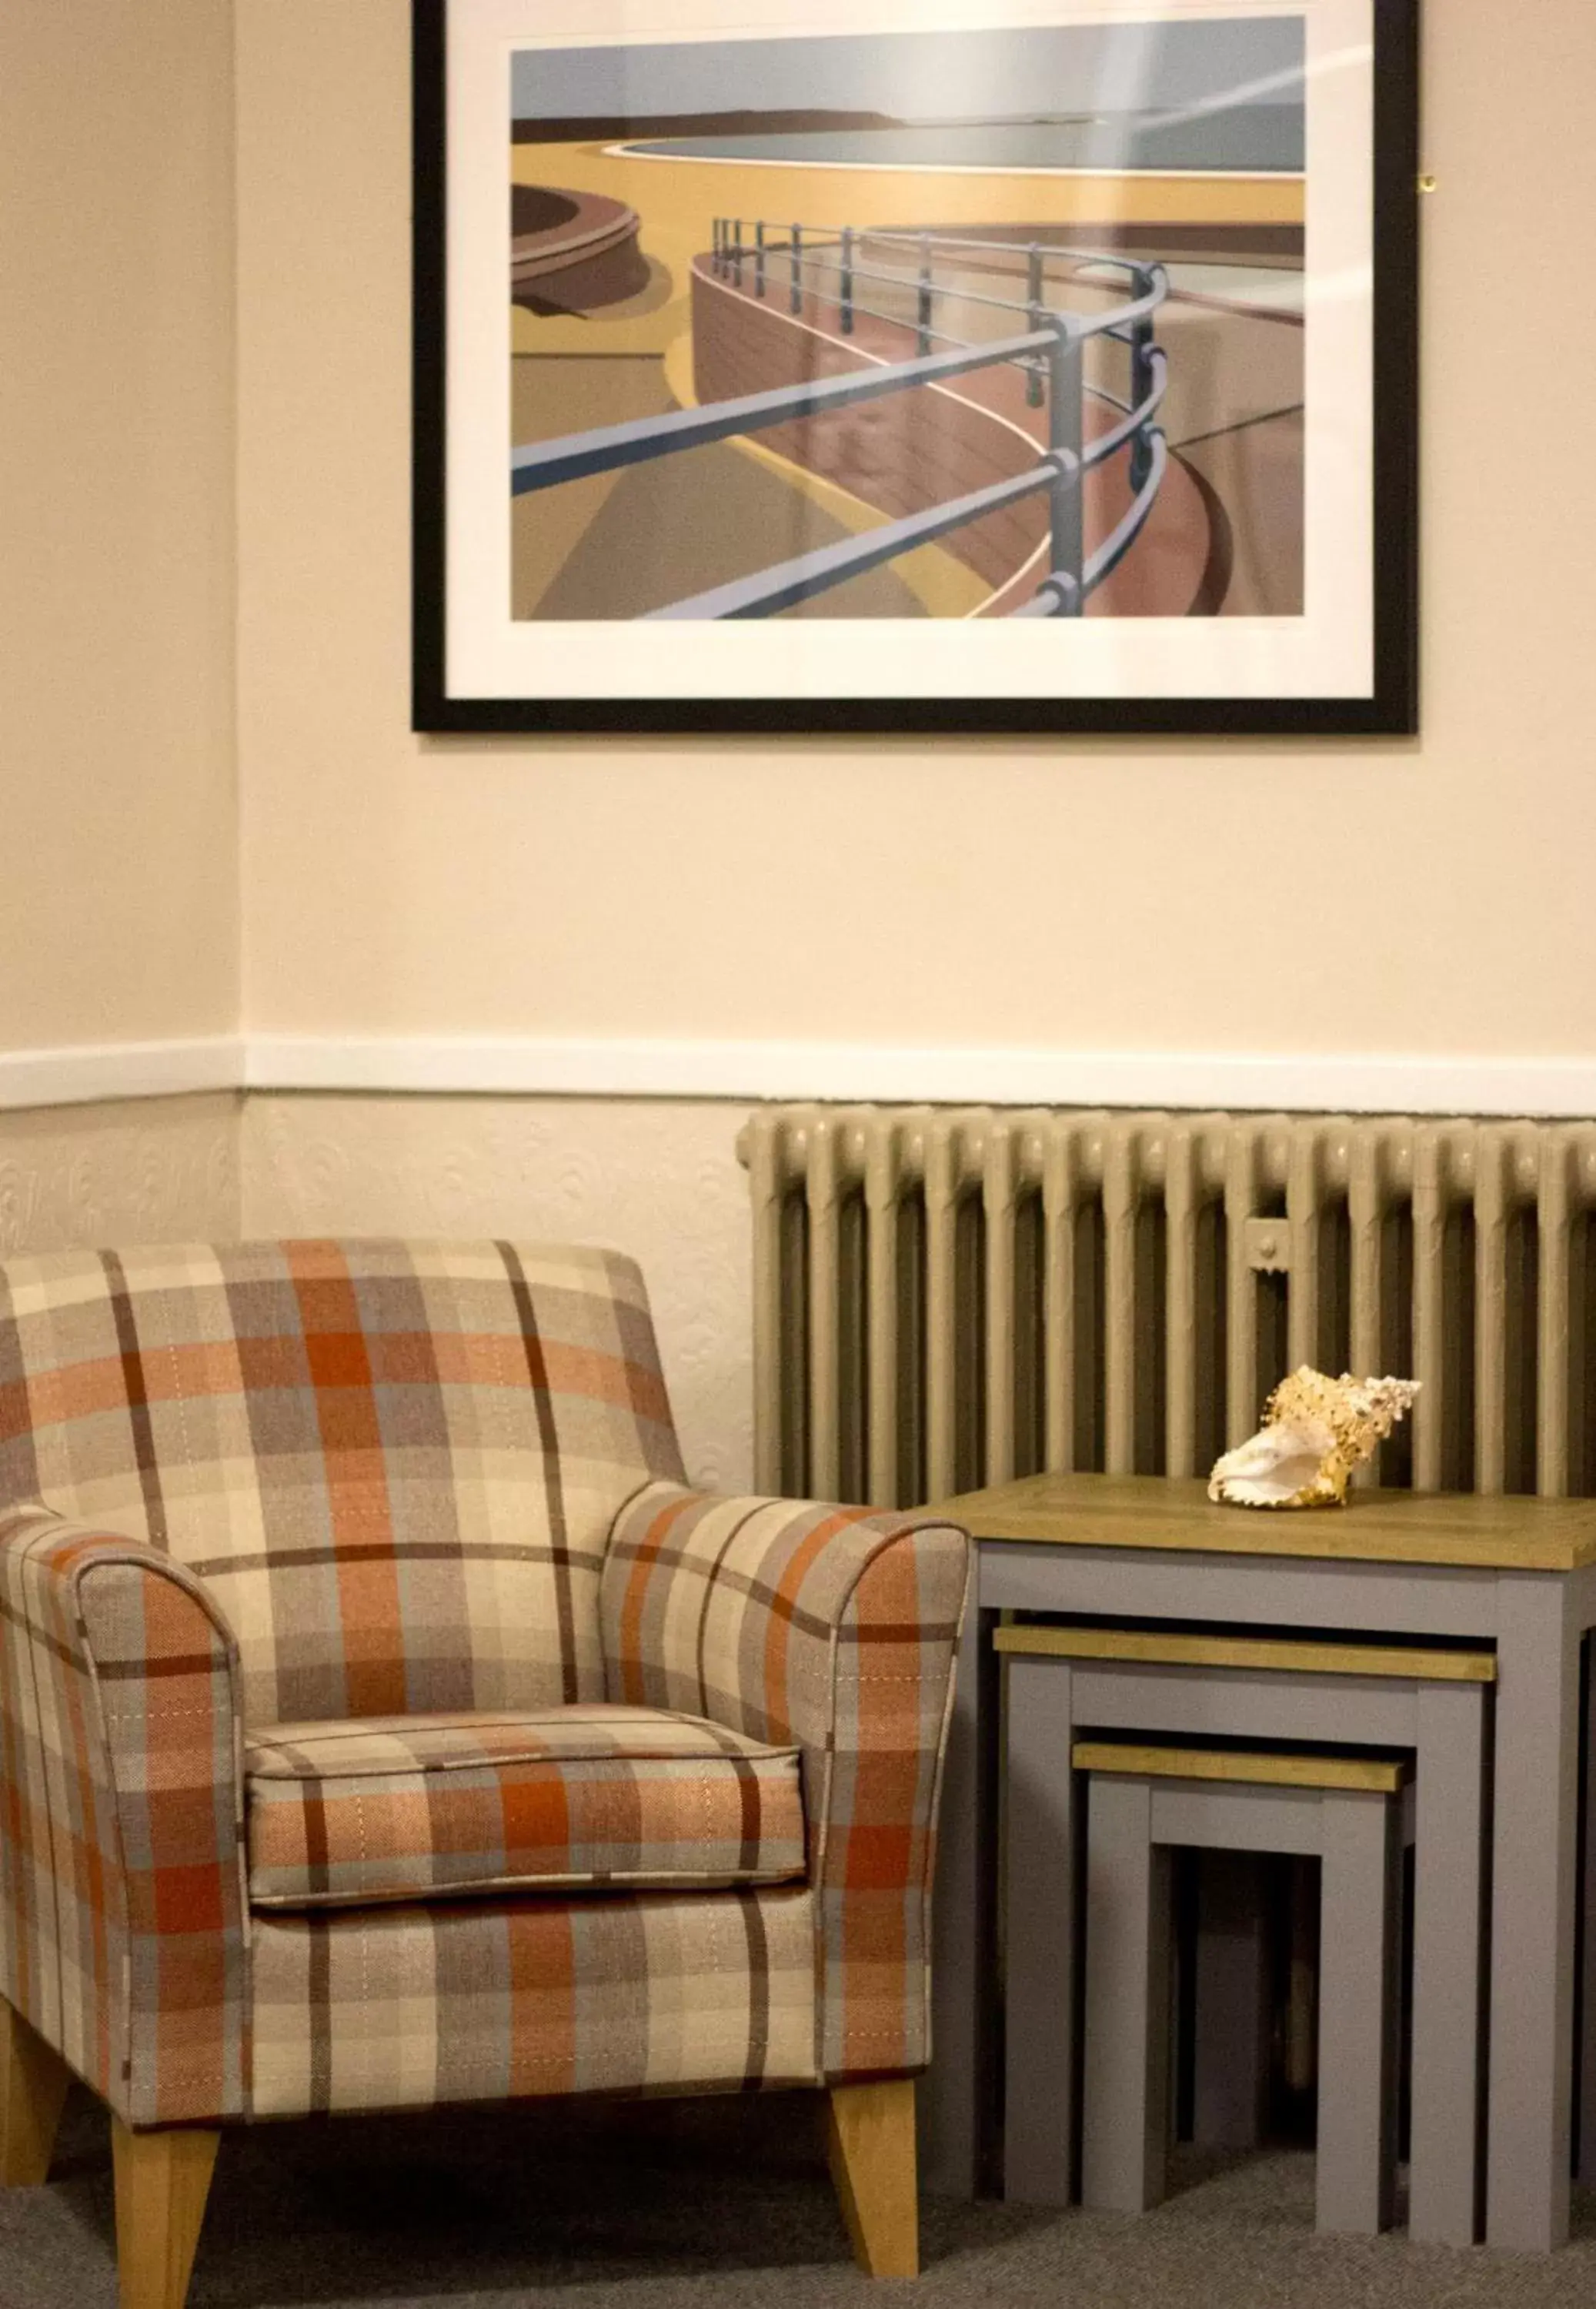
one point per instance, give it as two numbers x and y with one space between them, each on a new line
702 222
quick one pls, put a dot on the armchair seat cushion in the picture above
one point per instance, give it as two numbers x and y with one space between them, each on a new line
406 1808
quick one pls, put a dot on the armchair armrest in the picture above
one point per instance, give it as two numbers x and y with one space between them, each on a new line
835 1628
122 1916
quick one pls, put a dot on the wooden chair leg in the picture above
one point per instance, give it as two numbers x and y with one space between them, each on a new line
870 2142
162 2182
33 2083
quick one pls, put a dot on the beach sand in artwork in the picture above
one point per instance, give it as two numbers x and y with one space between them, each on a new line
679 200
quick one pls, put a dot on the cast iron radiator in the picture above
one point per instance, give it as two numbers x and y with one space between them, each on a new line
945 1299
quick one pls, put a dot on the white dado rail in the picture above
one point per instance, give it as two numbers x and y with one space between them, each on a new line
464 1065
104 1073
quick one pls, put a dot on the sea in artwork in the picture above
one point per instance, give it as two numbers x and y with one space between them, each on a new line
1258 139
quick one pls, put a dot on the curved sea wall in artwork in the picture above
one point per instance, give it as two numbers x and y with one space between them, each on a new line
901 453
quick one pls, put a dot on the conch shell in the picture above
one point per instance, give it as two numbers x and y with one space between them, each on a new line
1315 1431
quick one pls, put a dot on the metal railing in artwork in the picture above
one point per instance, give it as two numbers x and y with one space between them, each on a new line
1050 351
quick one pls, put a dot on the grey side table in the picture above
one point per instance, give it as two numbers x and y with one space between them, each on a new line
1430 1703
1347 1811
1516 1574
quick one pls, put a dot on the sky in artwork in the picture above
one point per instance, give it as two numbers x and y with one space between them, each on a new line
1015 74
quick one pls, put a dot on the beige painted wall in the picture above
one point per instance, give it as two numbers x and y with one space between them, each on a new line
1430 899
659 1180
117 768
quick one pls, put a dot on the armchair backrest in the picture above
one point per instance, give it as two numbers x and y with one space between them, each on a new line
395 1463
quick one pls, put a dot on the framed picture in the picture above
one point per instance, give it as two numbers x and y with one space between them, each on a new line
916 365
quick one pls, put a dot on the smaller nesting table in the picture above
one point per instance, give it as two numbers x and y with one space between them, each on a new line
1345 1812
1426 1702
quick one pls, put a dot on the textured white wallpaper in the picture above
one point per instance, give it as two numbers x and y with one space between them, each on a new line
657 1179
654 1178
158 1169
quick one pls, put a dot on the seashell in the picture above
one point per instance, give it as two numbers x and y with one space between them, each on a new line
1315 1431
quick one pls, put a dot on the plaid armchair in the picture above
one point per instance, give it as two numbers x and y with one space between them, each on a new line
386 1724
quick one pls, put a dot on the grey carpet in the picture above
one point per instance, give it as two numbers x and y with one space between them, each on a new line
703 2207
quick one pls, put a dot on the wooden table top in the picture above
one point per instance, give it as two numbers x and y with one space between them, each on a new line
1370 1775
1460 1531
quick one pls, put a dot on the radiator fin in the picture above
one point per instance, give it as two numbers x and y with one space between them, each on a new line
949 1298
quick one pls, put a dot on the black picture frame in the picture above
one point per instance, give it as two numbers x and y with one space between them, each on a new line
1391 711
